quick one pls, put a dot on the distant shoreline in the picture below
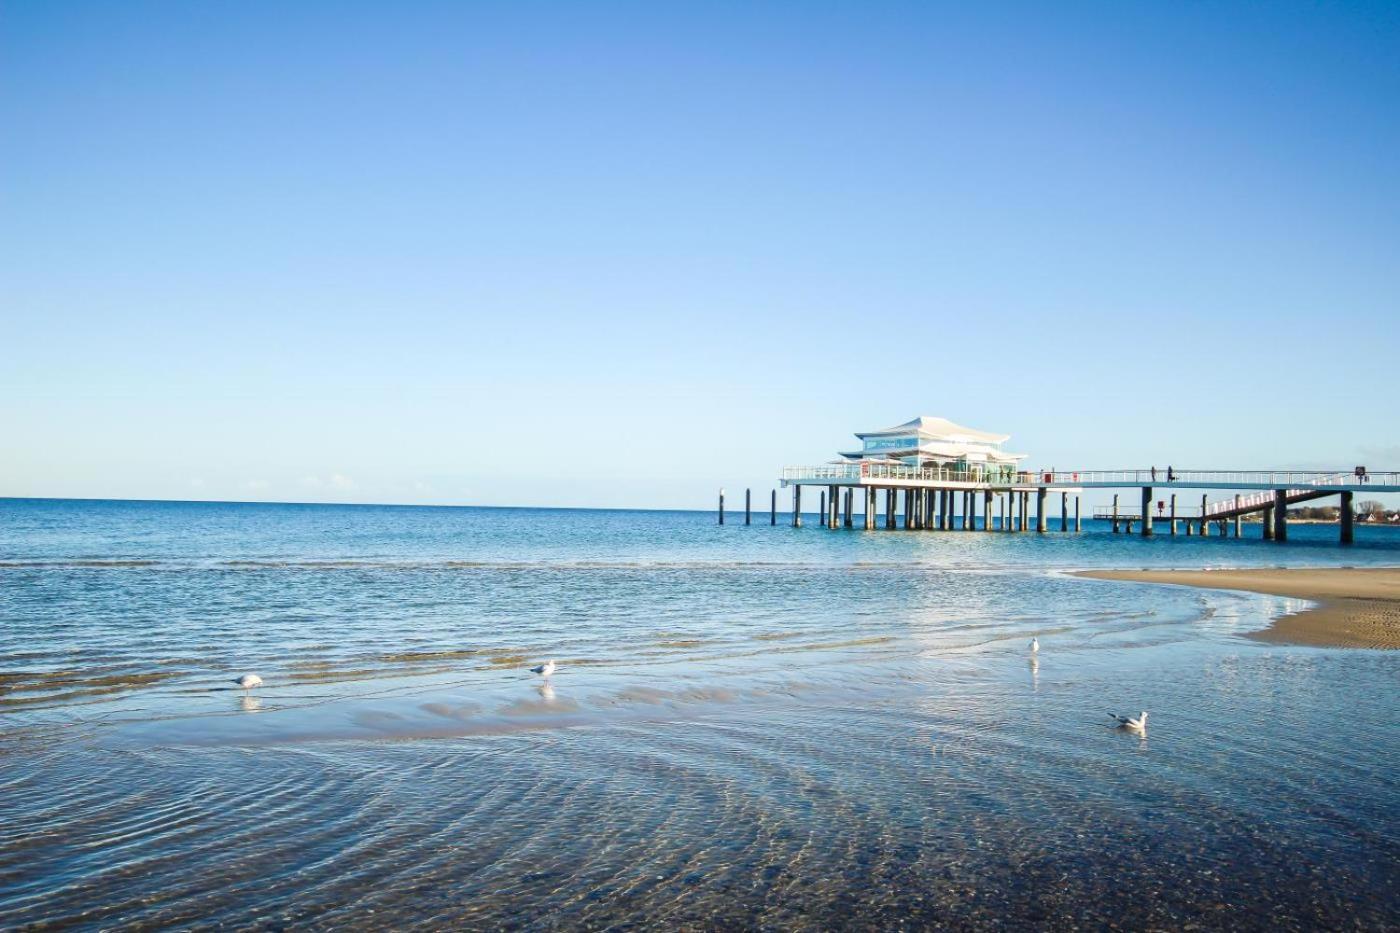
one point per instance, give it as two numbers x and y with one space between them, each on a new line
1355 607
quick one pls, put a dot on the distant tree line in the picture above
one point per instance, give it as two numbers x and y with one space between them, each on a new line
1368 510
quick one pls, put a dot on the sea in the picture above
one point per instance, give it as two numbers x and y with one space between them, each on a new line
751 726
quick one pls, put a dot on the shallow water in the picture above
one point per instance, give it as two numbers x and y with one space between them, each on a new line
750 726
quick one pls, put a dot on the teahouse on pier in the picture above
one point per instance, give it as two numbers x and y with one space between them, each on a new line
938 475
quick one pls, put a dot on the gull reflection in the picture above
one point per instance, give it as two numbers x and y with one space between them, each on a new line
1034 665
249 704
546 691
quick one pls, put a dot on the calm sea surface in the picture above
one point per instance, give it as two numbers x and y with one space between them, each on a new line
751 726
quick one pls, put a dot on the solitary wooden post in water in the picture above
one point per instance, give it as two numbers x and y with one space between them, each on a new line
773 519
1115 513
721 506
748 506
1064 512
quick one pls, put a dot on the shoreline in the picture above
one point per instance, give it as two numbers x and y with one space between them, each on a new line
1353 607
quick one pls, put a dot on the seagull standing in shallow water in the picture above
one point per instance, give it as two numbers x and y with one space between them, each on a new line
1035 645
249 681
545 669
1137 724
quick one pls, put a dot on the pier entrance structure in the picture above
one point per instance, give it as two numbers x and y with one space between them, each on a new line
938 475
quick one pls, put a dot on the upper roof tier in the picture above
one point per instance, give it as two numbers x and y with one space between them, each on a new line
942 429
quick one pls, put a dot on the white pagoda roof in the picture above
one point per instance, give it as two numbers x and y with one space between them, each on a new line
939 429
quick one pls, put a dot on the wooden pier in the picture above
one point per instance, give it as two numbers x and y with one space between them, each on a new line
952 498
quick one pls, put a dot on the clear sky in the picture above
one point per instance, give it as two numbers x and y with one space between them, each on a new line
622 254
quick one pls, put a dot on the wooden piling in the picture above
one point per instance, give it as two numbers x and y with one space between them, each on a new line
1115 513
986 510
721 506
1078 526
1064 512
797 506
1266 518
748 506
773 515
1173 507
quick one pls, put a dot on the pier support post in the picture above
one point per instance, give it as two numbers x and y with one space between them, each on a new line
1280 514
833 506
797 506
1064 512
748 506
987 510
1147 511
869 508
773 513
1266 517
891 495
1173 513
1345 518
1078 526
908 509
1040 496
822 508
1205 523
1238 517
1026 510
1115 513
721 506
850 505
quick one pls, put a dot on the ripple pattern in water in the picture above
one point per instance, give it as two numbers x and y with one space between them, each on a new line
853 736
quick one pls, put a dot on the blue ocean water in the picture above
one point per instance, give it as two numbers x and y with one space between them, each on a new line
750 725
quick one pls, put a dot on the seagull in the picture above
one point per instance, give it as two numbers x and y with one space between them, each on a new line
1138 724
1035 645
249 681
545 669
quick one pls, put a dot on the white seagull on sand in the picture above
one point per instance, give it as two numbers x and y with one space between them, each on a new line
249 681
1035 645
1137 724
545 669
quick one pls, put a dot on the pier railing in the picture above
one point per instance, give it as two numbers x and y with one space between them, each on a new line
1276 479
1183 513
1296 482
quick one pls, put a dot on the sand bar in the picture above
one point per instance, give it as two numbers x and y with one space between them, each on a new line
1356 607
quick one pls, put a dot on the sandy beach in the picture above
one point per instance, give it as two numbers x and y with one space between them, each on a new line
1356 607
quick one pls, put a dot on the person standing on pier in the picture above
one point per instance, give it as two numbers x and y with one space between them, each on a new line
1154 474
1170 475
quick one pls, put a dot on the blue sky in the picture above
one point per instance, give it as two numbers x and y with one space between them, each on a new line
622 254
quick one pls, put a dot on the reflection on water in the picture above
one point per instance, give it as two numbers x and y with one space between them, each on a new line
851 737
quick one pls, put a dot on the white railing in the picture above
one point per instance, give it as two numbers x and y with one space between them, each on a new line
1295 481
1183 513
855 472
1276 479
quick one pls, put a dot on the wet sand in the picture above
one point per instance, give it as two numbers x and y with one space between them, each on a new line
1356 608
